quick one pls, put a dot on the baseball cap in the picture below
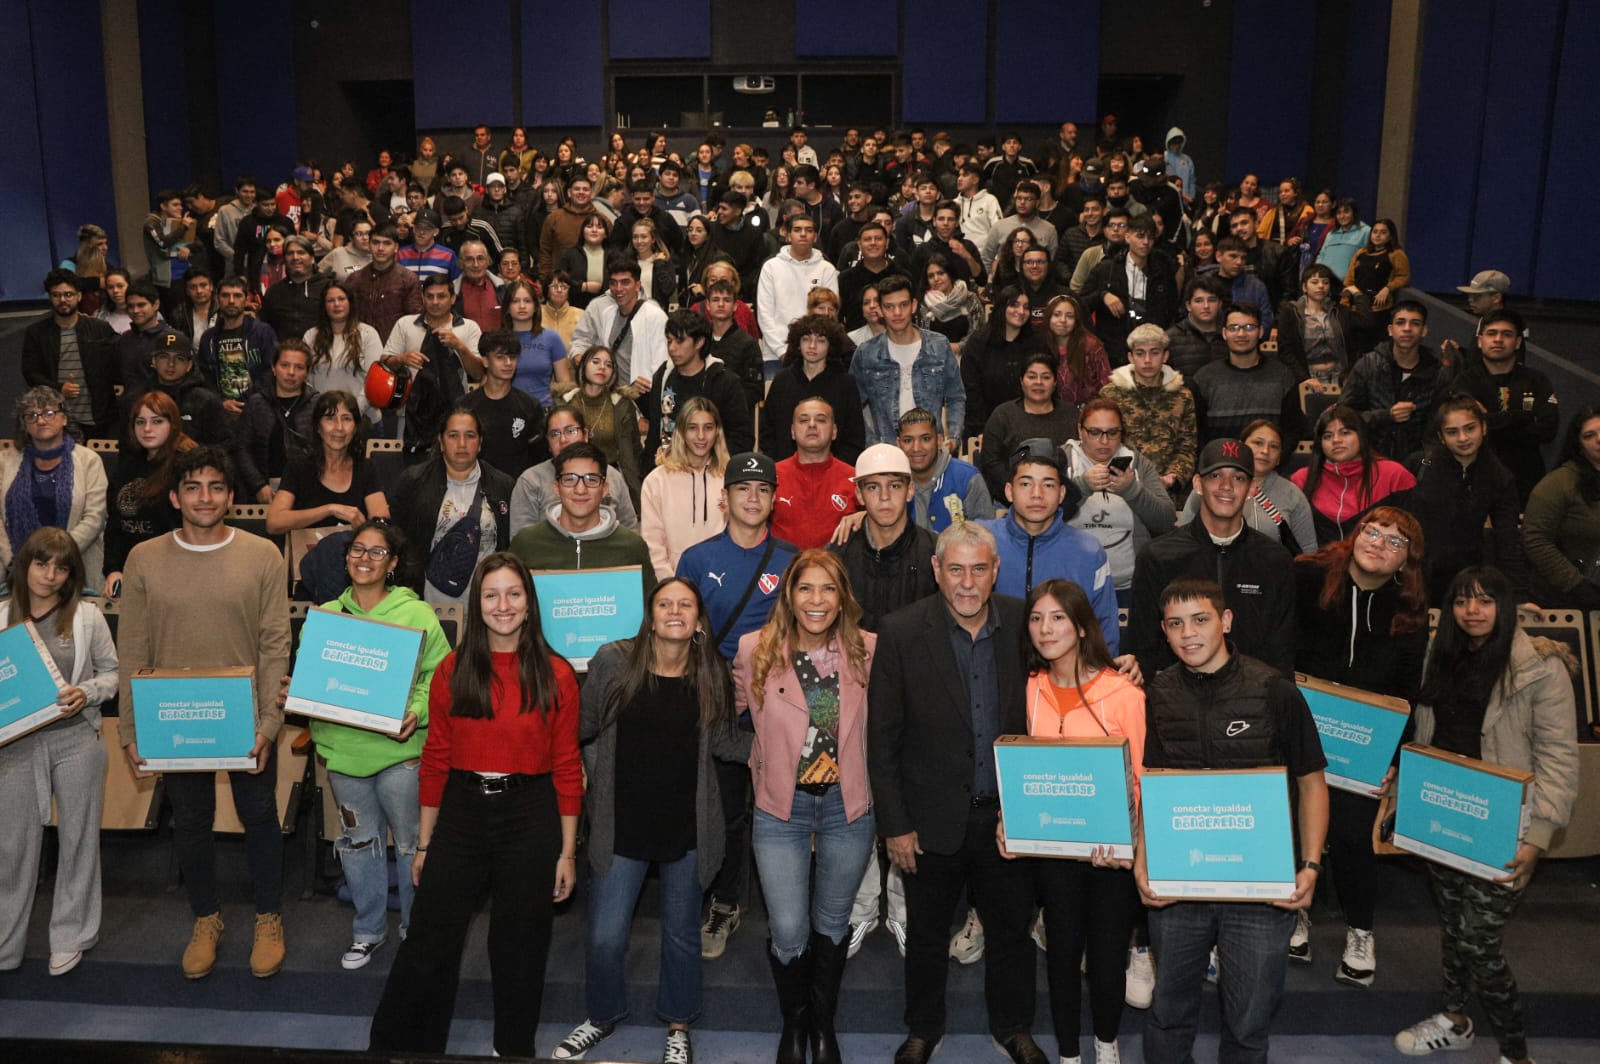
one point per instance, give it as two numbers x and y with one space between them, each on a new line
1093 167
1226 453
751 466
495 179
1151 166
882 458
428 217
303 173
1486 281
1034 449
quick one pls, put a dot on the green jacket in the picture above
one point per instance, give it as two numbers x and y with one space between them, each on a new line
357 751
547 545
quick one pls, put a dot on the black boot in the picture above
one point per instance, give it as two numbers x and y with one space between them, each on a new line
793 981
827 969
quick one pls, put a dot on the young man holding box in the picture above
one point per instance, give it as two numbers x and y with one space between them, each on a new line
239 617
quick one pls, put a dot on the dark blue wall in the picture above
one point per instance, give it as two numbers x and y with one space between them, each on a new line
1361 120
942 76
169 160
561 64
846 27
1565 263
256 99
1269 99
461 64
1030 87
661 29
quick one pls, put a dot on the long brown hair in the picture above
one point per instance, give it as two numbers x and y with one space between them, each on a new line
777 635
473 682
322 347
48 544
707 674
1092 649
1335 562
1350 419
523 284
1077 353
159 479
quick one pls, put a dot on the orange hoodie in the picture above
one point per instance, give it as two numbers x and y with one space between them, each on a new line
1114 707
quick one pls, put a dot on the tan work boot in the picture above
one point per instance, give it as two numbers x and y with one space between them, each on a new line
201 955
266 956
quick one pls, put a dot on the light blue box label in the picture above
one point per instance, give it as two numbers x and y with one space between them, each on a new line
29 683
354 671
1218 836
1358 739
202 722
1458 815
1064 799
584 609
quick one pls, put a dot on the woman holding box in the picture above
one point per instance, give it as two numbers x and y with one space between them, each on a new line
803 677
1492 692
64 760
1075 692
374 776
501 786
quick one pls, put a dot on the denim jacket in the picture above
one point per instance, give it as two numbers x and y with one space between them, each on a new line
935 384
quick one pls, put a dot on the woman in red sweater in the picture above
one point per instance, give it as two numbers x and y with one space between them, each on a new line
501 785
1348 477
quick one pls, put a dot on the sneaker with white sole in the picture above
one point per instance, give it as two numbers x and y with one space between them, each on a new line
1213 966
966 946
583 1038
63 961
1300 938
1107 1052
1140 986
898 930
721 922
678 1050
359 954
858 935
1038 933
1433 1034
1359 966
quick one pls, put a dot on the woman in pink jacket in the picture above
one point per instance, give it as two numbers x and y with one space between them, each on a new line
803 677
1347 477
1075 692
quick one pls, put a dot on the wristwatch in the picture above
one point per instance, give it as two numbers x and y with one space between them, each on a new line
1314 866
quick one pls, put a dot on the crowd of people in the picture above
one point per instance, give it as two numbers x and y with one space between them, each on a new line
891 432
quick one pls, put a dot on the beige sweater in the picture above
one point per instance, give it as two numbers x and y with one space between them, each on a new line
187 608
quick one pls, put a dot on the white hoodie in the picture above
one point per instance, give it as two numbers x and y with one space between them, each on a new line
781 295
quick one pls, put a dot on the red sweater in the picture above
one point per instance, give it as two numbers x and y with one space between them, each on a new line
810 500
509 741
1339 497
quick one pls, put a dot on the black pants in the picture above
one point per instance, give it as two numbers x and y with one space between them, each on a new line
194 814
1085 909
1002 892
503 844
733 780
1354 865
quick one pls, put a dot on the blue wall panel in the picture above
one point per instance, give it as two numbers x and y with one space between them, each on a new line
561 70
1451 88
1565 268
27 248
846 27
168 157
256 100
1269 96
1366 67
661 29
1028 87
1516 127
462 64
943 74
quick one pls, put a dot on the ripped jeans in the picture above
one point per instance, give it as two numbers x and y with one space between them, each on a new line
371 808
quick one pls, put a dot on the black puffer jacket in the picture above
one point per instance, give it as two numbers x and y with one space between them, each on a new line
885 580
1234 718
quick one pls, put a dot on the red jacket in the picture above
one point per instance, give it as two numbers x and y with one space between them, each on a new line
810 500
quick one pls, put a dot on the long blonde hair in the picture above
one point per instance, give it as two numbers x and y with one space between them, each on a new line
677 457
777 635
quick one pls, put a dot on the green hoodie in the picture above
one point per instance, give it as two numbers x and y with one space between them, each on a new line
362 753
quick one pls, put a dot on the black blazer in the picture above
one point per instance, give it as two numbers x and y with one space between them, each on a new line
97 346
919 731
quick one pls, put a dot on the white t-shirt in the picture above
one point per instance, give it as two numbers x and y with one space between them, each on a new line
904 356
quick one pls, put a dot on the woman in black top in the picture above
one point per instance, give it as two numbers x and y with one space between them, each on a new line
137 506
332 484
991 365
656 708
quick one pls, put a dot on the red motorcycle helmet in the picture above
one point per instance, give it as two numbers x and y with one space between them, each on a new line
385 388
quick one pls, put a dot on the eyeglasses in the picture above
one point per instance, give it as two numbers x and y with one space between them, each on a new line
1248 327
572 480
565 432
1395 544
33 417
1103 434
359 550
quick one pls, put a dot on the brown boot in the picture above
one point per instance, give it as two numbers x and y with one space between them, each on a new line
266 956
201 956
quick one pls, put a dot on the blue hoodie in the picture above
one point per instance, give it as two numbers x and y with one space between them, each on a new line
1059 552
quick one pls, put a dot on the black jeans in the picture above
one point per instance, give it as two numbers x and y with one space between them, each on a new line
1086 909
1002 892
194 814
733 780
1354 865
503 844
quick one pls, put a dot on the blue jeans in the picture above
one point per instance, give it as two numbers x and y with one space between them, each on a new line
612 896
1252 943
370 809
783 851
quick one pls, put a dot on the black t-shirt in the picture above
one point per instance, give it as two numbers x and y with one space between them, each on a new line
512 428
658 751
300 480
277 453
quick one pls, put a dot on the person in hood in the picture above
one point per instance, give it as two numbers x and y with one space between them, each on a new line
578 532
786 280
1350 478
1158 419
1179 165
293 305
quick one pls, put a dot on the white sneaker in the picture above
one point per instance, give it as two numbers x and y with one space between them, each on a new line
1359 966
678 1050
966 947
858 935
64 961
1141 980
583 1038
359 954
1432 1034
898 930
1300 940
1037 931
1106 1052
1213 966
